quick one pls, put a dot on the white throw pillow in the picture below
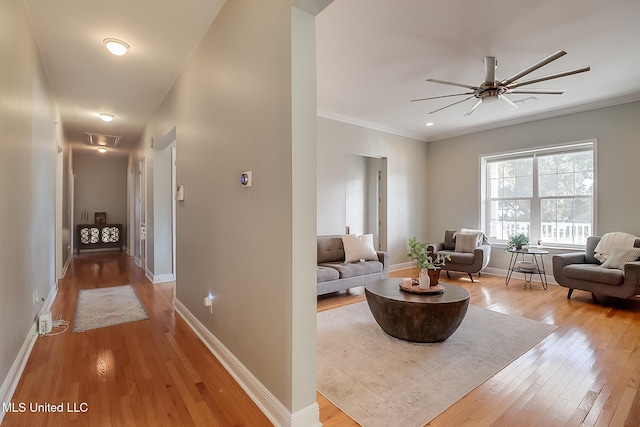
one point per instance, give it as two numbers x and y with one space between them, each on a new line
466 242
357 248
621 255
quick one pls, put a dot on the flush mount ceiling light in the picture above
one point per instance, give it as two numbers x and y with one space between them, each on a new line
102 150
116 47
428 124
106 117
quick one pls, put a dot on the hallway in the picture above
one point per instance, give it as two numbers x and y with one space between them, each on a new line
153 372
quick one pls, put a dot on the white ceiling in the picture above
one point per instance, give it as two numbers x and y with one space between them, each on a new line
373 57
86 79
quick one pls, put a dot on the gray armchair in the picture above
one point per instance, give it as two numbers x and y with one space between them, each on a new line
471 260
583 271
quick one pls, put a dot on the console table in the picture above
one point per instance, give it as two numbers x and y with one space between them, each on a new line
94 236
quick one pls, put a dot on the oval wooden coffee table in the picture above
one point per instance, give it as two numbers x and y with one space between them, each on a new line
416 317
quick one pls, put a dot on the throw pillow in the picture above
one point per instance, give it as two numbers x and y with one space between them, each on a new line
466 242
621 255
357 248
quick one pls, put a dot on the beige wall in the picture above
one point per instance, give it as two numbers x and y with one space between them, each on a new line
28 114
232 112
455 164
100 186
407 208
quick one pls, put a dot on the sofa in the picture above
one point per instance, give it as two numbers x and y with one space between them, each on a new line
336 273
469 254
584 271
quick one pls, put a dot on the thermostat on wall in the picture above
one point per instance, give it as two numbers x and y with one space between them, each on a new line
245 179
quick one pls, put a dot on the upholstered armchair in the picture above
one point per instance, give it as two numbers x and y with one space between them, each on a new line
469 251
618 276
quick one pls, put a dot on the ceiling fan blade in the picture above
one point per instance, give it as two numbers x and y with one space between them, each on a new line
473 108
443 96
537 91
533 67
444 82
507 100
549 77
490 70
450 105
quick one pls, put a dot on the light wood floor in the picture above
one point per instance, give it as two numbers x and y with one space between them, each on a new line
586 373
156 372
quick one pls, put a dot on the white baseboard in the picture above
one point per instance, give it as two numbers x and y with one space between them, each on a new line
503 273
10 383
17 368
488 270
307 417
162 278
403 266
149 274
266 401
65 267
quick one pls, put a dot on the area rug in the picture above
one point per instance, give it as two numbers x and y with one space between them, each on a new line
379 380
102 307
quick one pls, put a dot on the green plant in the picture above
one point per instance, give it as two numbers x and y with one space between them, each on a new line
425 259
517 241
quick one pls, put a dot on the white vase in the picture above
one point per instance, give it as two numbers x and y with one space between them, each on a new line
424 280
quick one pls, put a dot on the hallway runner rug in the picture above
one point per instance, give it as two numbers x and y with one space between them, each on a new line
382 381
102 307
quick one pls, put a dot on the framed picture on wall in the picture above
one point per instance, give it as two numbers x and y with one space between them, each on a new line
100 218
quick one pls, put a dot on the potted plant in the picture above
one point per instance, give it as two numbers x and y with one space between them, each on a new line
517 241
428 262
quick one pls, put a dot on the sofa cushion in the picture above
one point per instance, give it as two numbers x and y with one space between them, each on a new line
326 274
464 258
358 248
594 273
330 249
351 269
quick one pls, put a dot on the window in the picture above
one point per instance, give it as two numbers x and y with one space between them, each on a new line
547 194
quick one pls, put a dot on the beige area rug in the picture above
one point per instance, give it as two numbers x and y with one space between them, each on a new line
379 380
102 307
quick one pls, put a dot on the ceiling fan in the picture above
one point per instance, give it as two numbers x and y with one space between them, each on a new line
492 89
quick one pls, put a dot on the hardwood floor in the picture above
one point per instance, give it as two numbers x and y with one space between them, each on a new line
586 373
154 372
157 372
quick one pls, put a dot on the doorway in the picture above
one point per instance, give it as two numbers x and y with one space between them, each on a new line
366 195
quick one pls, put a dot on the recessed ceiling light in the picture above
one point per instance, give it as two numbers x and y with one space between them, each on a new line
116 47
102 150
106 117
428 124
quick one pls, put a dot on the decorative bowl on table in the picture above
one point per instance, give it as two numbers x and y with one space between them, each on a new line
526 265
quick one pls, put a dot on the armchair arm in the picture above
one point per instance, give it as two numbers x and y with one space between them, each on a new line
484 253
632 274
383 257
435 247
562 260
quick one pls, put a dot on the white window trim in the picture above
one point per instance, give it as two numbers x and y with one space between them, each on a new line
482 202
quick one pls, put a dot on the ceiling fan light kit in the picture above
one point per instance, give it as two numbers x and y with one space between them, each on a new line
493 90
